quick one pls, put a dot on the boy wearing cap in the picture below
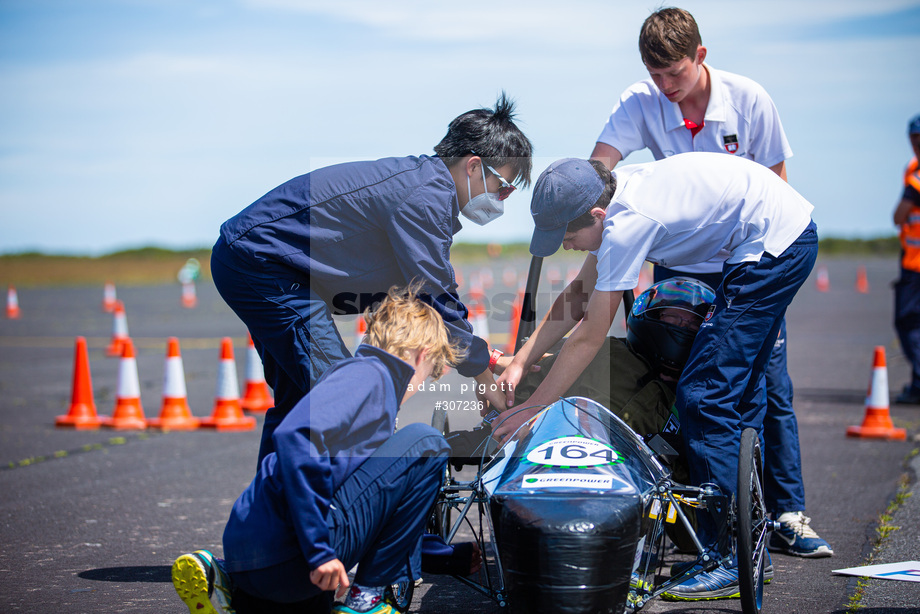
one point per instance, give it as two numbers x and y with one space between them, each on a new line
907 288
332 242
340 489
688 208
687 105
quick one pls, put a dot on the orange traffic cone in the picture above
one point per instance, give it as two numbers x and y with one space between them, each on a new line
189 295
128 413
509 277
476 291
82 413
119 331
486 278
572 273
108 297
862 281
479 321
877 422
12 304
360 331
175 414
257 397
228 413
822 281
516 308
645 279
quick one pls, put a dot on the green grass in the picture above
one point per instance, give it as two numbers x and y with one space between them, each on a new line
155 265
883 532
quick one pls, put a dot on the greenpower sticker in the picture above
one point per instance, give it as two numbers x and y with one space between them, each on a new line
573 452
568 480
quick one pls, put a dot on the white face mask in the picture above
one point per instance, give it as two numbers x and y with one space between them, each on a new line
485 207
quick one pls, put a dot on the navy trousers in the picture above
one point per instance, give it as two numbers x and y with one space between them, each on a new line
784 488
291 328
907 322
722 390
376 520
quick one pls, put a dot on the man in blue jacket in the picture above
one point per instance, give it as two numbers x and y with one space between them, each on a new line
334 240
340 489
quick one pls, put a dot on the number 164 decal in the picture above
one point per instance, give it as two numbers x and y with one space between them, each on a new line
573 452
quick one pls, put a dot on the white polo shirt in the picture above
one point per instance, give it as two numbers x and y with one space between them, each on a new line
692 208
740 120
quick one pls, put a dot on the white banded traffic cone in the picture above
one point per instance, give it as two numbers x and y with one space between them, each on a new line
877 422
486 278
109 297
645 279
257 398
479 321
189 295
228 413
822 280
476 291
516 308
12 304
175 414
119 331
128 413
360 331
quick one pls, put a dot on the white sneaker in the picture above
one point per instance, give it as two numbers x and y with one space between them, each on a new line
797 538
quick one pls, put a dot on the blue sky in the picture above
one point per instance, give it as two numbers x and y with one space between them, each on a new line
149 122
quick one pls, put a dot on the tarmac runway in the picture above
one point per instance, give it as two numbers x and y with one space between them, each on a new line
90 521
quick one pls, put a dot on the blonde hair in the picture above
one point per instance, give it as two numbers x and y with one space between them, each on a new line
402 323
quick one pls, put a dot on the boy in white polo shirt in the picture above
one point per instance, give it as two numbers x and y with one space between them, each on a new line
685 209
686 106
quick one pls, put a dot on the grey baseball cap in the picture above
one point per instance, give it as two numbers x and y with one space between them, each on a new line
565 190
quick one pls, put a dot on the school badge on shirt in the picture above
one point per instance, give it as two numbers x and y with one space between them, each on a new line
710 313
730 141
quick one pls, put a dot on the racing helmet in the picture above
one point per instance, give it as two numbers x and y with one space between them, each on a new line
664 320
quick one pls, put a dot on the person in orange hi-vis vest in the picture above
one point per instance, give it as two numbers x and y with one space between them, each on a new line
907 288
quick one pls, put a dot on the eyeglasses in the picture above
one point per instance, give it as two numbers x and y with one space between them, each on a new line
674 319
506 189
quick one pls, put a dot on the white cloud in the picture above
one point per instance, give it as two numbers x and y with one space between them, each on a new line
584 23
165 141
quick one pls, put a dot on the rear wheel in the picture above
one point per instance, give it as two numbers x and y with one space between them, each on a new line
752 523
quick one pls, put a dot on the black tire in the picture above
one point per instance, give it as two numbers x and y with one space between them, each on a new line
439 522
400 601
439 420
752 523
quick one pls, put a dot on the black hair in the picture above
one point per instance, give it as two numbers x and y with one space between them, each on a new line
585 218
493 136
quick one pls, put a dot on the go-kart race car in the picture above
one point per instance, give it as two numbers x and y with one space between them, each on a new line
572 513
